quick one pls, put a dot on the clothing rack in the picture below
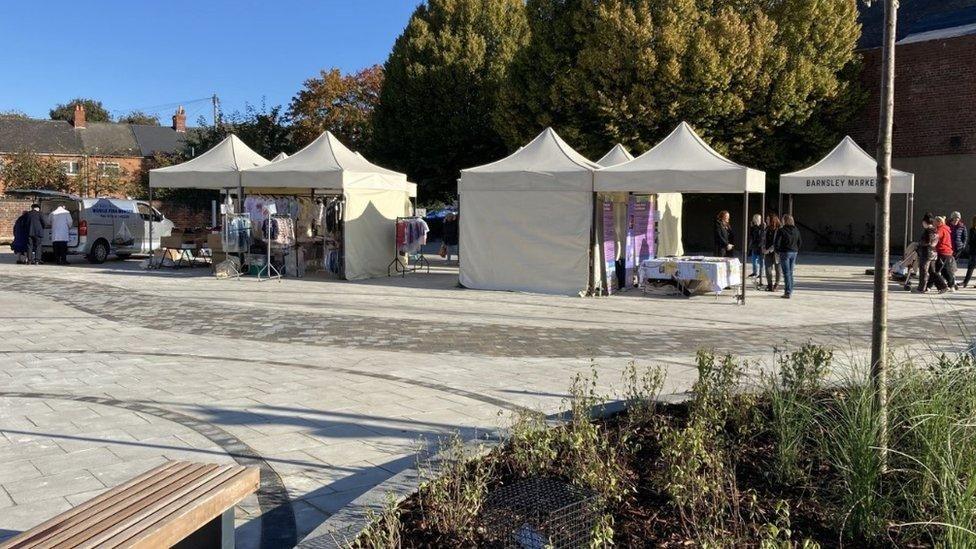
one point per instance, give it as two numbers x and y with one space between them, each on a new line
226 231
269 271
399 265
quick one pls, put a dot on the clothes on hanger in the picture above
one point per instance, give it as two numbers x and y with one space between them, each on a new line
411 234
235 235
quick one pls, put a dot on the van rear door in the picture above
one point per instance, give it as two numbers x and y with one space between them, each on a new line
48 205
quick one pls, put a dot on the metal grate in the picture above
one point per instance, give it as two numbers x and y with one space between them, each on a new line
540 513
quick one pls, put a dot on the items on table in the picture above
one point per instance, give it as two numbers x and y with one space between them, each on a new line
712 274
411 234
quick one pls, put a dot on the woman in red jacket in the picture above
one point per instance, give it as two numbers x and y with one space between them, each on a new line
947 259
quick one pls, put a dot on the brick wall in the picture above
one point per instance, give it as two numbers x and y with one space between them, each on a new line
935 98
10 210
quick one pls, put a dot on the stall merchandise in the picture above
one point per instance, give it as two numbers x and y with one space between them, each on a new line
411 236
692 275
235 235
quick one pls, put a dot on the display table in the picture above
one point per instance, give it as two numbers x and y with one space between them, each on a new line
691 275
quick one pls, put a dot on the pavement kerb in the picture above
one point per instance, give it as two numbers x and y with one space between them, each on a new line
345 525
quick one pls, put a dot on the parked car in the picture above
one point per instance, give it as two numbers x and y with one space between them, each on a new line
102 226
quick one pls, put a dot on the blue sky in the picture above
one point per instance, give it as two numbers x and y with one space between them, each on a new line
152 54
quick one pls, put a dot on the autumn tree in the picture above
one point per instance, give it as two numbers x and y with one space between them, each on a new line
138 118
750 75
441 88
340 103
29 170
94 111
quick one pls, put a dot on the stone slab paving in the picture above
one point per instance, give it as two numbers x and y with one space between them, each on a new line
332 387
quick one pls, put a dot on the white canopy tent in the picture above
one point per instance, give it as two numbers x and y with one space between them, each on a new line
280 156
526 220
847 169
668 206
373 196
684 163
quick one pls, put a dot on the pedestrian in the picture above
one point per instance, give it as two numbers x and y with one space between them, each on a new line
773 225
970 253
451 226
947 260
787 244
960 238
723 235
35 234
757 237
60 229
928 257
21 238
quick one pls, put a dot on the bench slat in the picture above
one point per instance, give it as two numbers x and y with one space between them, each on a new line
53 525
128 505
186 517
148 516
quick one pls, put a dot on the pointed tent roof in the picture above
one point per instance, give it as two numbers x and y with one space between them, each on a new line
325 164
280 156
846 169
547 160
617 155
218 168
681 163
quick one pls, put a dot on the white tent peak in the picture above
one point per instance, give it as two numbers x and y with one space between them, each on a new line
326 153
682 149
218 168
847 157
845 169
280 156
547 153
617 155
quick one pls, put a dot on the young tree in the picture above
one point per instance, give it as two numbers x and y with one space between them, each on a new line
740 71
441 88
94 111
342 104
28 170
139 118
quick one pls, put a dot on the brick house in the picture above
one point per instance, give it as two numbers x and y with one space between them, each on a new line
103 158
935 118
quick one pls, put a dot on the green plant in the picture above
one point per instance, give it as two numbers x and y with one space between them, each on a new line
531 444
642 388
779 533
454 491
383 529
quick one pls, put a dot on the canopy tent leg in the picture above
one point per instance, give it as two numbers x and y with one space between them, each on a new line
591 285
779 210
152 211
911 217
745 243
790 201
908 208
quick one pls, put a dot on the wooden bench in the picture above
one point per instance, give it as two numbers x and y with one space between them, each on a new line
179 504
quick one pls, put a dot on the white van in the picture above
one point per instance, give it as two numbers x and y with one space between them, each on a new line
102 226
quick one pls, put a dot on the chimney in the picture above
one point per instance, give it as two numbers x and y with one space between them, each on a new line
79 117
179 120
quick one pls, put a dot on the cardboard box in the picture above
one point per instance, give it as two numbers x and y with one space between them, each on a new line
214 242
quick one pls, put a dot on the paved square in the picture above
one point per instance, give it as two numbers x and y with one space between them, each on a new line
331 387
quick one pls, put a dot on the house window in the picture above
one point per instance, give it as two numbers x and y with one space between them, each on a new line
70 167
109 168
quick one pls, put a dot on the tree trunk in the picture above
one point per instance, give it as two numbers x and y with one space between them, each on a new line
879 324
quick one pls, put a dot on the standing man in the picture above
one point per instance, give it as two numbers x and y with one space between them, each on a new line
35 233
960 238
947 261
451 230
60 229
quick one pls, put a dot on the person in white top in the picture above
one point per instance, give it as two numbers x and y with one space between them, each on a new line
60 232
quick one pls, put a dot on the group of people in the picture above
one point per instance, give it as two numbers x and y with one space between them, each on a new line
29 235
942 243
774 244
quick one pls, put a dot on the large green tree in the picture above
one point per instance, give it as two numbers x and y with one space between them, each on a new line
139 118
753 76
340 103
29 170
94 110
441 88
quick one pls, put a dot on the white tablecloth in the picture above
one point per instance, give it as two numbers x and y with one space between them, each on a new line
712 274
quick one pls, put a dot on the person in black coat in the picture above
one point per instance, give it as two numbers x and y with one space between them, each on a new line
723 235
787 244
773 225
21 238
970 253
451 230
757 237
35 233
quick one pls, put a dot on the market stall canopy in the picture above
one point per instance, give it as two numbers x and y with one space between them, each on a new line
846 169
682 163
325 164
218 168
525 220
617 155
280 156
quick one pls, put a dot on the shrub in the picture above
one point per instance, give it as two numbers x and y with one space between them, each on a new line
453 492
383 529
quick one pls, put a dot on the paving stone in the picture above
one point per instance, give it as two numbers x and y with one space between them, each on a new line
56 485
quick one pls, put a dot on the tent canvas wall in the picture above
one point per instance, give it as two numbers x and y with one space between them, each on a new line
526 220
374 197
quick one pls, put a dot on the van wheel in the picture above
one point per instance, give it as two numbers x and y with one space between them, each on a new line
98 253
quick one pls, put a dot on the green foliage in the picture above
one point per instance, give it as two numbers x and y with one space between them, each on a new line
262 128
779 533
454 491
742 72
340 103
383 529
28 170
94 111
14 113
441 88
641 391
139 118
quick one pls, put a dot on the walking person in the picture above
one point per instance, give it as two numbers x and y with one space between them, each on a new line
723 235
947 261
451 226
21 237
60 230
928 257
757 237
970 253
35 233
960 238
787 244
773 225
